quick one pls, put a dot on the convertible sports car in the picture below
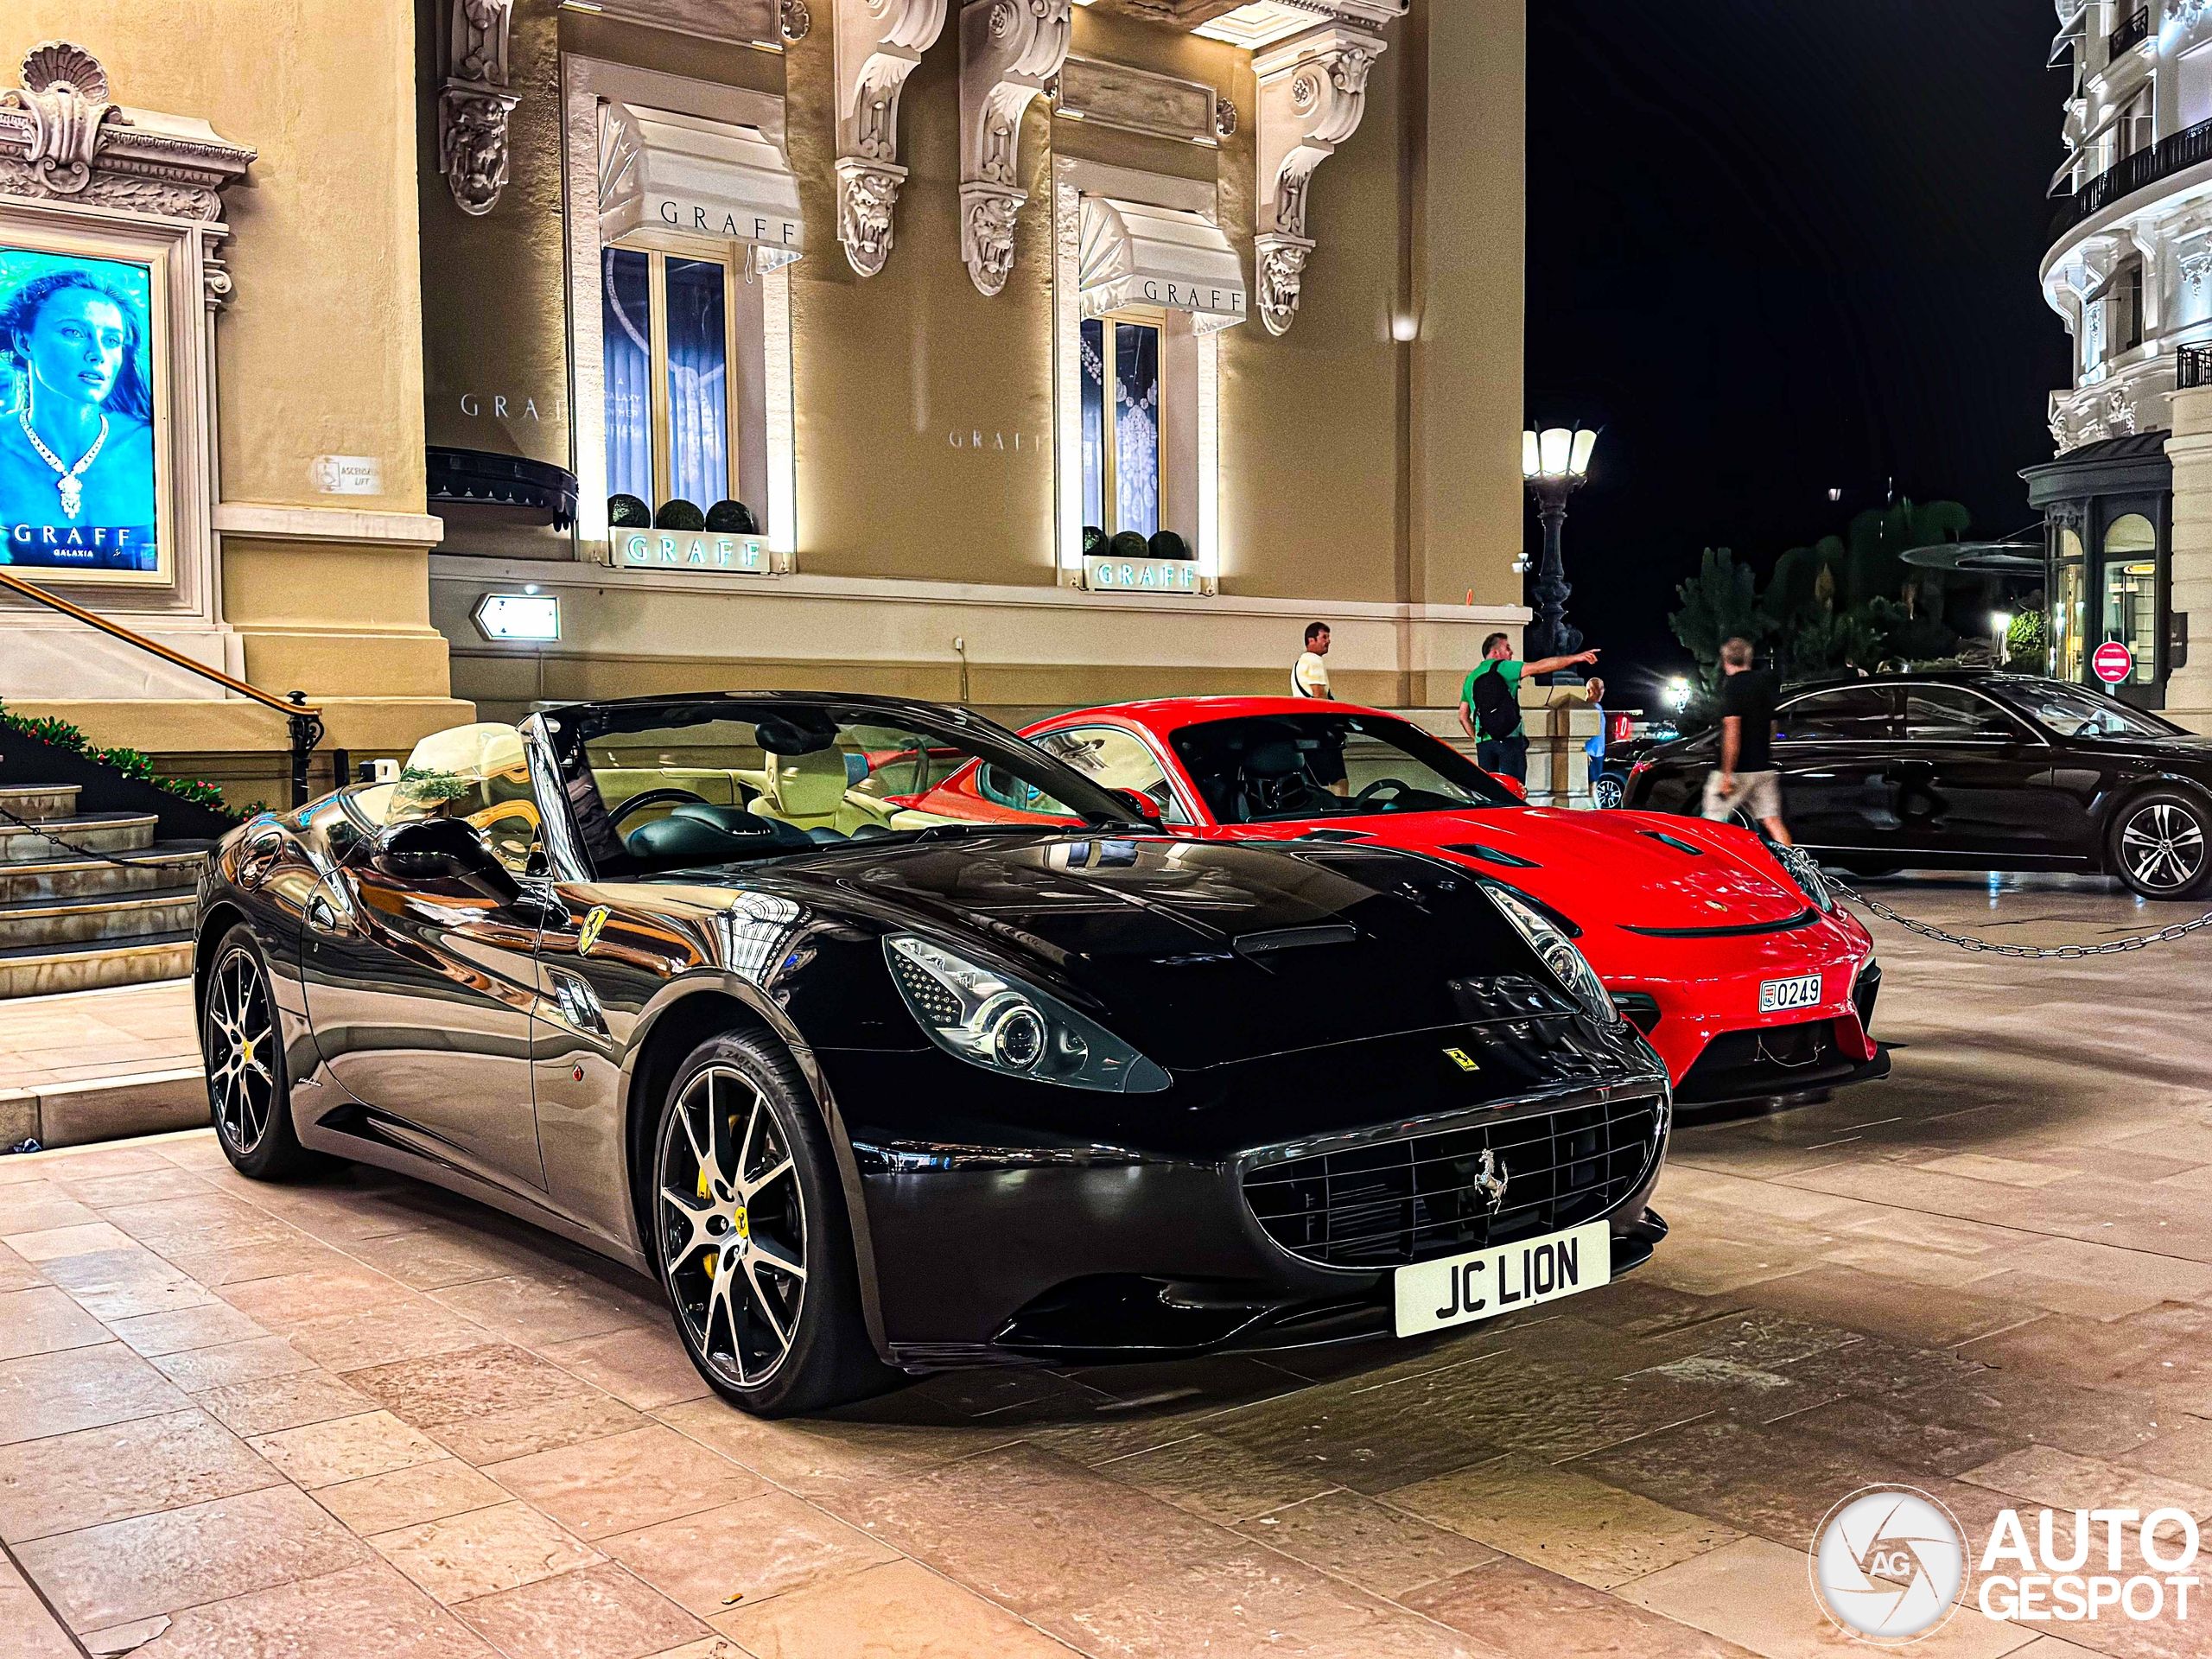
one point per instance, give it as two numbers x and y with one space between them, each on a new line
1744 974
710 985
1977 771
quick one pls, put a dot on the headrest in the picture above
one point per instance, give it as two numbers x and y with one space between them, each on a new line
484 750
1275 759
806 785
783 734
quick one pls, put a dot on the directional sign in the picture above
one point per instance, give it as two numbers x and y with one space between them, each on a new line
532 617
2112 662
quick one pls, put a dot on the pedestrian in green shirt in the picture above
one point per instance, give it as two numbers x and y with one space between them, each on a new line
1489 705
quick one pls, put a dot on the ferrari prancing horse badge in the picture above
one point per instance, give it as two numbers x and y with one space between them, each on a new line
593 923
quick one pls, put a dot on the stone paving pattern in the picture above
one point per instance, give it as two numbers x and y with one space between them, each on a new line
360 1417
89 1036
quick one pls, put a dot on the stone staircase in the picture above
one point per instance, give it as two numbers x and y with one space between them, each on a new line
72 923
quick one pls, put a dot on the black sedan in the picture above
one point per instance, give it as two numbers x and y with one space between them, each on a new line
1976 771
870 1089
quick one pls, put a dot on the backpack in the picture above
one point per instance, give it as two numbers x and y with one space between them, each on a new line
1498 712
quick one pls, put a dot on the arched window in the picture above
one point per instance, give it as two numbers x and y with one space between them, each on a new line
2130 611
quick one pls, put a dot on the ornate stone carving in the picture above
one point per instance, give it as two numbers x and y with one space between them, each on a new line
2196 263
2186 12
473 103
797 20
1010 49
879 44
215 281
62 138
2119 412
866 195
1312 94
1225 117
2065 515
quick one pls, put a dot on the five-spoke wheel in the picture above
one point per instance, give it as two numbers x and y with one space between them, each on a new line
242 1046
733 1221
2158 844
749 1229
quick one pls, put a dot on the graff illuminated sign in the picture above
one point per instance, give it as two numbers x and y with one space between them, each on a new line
684 549
1141 575
1193 297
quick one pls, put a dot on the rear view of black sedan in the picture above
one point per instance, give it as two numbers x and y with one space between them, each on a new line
868 1088
1976 771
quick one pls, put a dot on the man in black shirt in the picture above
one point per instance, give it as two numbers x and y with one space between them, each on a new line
1746 781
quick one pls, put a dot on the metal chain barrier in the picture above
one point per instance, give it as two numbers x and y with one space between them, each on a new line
42 830
1969 942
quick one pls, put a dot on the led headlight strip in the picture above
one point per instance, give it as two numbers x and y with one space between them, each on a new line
1556 951
992 1020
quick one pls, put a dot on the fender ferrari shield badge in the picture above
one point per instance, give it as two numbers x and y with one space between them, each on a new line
593 923
1464 1061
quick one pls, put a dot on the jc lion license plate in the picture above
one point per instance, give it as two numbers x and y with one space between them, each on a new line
1777 993
1460 1289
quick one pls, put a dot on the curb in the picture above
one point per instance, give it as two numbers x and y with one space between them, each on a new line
107 1108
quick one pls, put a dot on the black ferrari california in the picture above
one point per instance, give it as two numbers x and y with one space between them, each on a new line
870 1090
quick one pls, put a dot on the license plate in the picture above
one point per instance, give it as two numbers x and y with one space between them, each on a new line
1460 1289
1777 993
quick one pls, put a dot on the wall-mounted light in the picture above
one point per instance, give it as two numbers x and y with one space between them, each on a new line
1404 330
530 618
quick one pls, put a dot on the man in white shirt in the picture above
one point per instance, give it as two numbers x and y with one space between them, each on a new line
1310 678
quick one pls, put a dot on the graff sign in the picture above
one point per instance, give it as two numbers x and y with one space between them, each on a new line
684 549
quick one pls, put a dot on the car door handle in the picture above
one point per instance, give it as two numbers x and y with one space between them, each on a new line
327 913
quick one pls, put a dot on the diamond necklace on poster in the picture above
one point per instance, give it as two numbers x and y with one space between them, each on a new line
71 485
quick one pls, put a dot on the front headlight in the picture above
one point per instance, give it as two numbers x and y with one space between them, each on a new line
1805 870
1557 953
995 1020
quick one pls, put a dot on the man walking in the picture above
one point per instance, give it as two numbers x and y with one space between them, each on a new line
1489 705
1746 781
1310 678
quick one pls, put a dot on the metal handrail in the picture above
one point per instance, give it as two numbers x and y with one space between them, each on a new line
305 718
2132 173
2132 31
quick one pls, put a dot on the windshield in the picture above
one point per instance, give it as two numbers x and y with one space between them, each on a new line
1269 768
2071 711
676 785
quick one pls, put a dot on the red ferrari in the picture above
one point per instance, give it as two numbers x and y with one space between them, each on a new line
1743 971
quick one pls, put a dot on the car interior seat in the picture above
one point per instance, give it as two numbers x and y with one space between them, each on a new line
809 790
1271 780
698 834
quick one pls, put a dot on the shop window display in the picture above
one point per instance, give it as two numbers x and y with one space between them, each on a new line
2131 591
1121 423
670 396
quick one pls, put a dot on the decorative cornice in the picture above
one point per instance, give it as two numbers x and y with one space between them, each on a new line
63 139
795 21
879 44
1312 94
474 104
1008 50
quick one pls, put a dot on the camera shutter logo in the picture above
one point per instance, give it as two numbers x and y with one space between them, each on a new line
1888 1564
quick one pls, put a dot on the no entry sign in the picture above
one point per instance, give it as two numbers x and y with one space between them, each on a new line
2112 662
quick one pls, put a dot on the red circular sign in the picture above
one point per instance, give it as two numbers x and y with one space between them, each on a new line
2112 662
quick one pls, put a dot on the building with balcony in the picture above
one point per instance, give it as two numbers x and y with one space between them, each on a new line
2129 268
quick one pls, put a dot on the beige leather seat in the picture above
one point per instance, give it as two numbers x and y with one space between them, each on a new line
807 790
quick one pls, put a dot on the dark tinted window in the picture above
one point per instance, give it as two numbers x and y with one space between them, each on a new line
1934 714
1862 712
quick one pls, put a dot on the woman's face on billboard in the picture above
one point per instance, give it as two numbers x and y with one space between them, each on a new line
76 344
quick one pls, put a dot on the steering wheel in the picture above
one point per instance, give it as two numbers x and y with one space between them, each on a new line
1380 784
655 798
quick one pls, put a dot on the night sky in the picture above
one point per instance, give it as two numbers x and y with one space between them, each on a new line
1778 248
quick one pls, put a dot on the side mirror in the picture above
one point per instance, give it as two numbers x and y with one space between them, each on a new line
442 849
1515 784
1141 806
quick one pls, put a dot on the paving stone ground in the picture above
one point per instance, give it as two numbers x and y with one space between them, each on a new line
360 1417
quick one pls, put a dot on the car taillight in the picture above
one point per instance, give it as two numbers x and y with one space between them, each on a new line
1639 769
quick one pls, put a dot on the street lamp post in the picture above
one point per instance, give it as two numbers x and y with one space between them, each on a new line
1555 464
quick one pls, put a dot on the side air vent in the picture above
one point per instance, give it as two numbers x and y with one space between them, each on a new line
1490 856
1334 835
1675 841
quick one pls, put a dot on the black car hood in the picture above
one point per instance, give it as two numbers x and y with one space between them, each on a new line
1203 953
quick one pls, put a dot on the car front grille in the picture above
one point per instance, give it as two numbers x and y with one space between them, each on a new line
1387 1204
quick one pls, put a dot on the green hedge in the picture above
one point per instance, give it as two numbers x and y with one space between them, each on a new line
130 762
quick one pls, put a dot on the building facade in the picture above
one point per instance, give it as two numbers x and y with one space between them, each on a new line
2129 268
1021 352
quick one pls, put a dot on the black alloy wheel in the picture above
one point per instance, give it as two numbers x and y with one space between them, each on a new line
2159 844
750 1230
1608 790
249 1096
